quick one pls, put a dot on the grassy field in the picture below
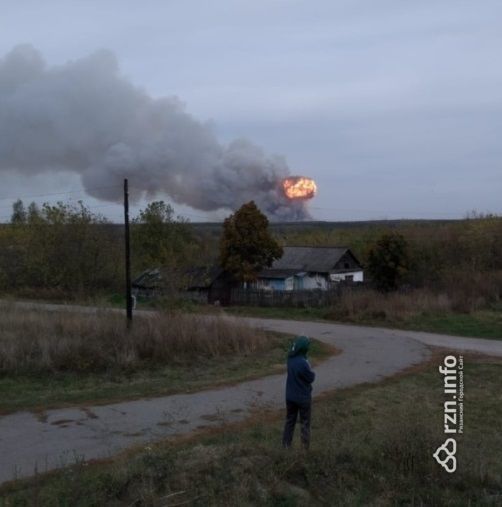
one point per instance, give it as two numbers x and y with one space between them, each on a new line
43 391
372 445
60 359
478 324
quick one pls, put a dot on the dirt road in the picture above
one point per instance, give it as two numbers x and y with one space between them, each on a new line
32 443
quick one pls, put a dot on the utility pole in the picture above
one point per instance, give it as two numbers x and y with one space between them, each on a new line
127 255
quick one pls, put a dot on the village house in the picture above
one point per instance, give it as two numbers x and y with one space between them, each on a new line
301 268
307 268
203 284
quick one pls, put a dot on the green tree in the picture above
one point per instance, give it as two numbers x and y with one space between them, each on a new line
388 261
69 248
160 239
34 214
246 245
19 214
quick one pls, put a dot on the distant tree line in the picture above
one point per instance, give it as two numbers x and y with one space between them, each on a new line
65 249
458 255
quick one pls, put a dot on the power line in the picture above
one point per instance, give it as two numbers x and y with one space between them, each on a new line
84 191
99 206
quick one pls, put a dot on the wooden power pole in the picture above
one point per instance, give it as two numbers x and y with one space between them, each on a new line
127 255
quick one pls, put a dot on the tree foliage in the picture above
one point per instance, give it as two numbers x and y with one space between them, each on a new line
388 261
246 245
63 247
19 215
66 248
33 213
160 239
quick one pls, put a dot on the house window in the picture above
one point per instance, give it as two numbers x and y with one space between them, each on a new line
346 265
349 278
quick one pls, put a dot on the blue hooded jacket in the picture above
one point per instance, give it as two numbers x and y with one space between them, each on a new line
300 374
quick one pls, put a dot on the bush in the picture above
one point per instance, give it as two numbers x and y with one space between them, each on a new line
388 261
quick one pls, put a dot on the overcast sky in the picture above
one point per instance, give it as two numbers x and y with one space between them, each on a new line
393 107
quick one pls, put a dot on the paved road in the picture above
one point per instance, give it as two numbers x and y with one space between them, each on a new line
30 443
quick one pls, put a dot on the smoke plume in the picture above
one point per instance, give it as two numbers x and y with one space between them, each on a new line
85 117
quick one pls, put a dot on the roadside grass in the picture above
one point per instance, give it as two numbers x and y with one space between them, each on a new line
44 391
465 312
478 324
37 341
372 445
275 312
475 323
52 359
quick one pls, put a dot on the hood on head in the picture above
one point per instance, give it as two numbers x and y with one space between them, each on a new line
300 346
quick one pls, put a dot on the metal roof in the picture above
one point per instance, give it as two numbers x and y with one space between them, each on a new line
309 258
278 273
195 277
148 279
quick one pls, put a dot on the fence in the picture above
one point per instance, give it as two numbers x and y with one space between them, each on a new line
159 293
295 298
227 296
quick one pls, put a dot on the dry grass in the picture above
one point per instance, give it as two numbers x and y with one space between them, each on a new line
371 445
34 341
370 304
462 294
471 291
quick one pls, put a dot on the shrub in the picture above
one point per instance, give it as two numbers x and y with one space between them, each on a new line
388 261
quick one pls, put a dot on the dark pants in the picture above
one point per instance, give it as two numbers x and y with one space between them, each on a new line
292 410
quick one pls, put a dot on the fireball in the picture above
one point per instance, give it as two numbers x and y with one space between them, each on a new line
299 187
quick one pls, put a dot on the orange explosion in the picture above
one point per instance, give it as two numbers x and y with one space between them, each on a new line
299 187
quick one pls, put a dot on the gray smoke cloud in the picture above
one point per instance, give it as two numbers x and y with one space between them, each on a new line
85 117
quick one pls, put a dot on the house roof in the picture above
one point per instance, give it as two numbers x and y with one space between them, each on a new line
278 273
148 279
309 258
192 278
202 277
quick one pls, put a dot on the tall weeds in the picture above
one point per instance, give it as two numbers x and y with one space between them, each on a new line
460 293
35 341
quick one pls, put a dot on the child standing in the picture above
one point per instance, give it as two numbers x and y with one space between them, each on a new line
298 392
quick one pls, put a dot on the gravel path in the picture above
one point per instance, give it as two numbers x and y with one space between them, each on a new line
31 443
